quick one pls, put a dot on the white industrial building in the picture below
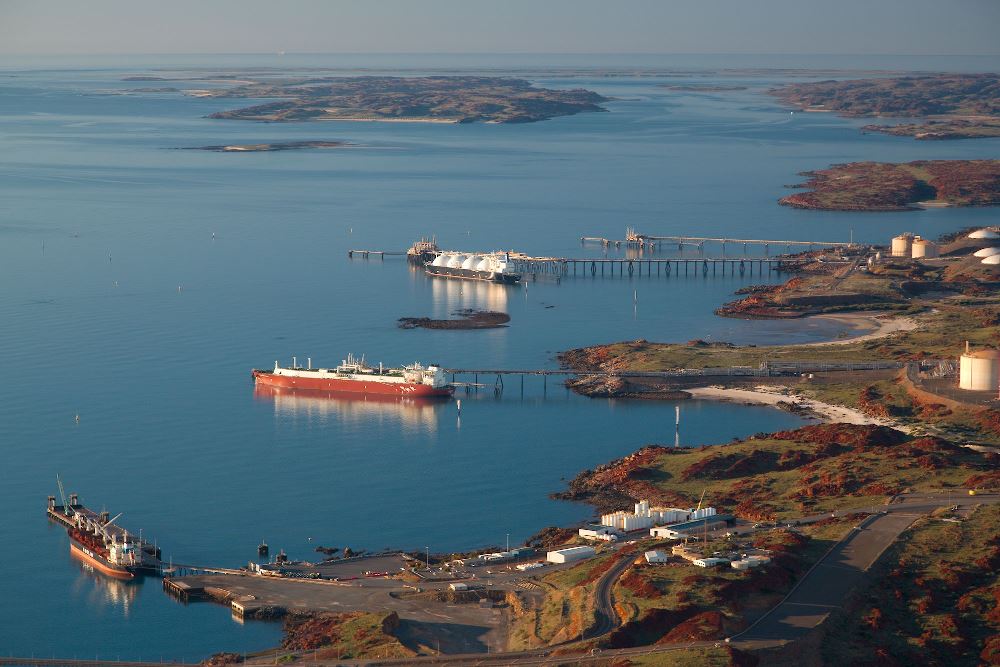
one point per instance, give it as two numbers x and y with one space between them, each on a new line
601 533
645 516
656 557
570 554
709 562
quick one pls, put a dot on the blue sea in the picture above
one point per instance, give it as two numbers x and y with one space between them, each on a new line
140 283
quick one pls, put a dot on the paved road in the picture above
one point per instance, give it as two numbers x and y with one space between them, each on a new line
606 616
826 586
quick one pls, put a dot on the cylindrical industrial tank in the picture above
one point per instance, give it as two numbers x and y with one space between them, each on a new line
902 245
987 252
979 370
986 233
922 248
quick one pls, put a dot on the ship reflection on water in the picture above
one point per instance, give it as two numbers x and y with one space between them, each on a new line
102 590
417 414
450 294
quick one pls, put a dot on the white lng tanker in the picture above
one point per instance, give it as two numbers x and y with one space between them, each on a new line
491 267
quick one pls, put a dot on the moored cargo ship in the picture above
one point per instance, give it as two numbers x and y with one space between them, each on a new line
353 375
490 267
95 539
115 559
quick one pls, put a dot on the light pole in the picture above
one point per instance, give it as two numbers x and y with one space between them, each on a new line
428 549
508 542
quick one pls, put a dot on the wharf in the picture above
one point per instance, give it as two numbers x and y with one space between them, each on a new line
609 267
766 369
67 513
381 254
635 239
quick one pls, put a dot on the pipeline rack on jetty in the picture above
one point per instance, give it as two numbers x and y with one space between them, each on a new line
637 240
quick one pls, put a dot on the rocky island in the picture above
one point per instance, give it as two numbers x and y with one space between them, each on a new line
949 106
443 99
465 319
886 186
263 148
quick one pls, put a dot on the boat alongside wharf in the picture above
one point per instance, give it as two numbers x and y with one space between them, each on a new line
73 516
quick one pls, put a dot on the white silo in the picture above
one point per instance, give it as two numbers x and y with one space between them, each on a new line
902 245
979 370
924 249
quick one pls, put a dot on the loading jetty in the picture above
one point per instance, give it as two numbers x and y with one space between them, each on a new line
765 369
634 239
79 519
609 267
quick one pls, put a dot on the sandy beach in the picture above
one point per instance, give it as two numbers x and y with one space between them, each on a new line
774 394
884 324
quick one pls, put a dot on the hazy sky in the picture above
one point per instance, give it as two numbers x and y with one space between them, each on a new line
941 27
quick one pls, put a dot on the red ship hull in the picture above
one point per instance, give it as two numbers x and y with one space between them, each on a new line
91 558
269 379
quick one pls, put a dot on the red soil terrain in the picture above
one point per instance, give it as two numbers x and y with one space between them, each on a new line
830 461
884 186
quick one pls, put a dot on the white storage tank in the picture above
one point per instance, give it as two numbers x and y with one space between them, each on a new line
571 554
472 262
992 259
979 370
455 261
441 260
902 245
987 252
922 248
986 233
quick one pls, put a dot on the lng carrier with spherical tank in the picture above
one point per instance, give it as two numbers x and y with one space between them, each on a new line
490 267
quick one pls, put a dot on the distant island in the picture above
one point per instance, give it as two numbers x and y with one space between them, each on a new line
886 186
262 148
442 99
702 88
950 106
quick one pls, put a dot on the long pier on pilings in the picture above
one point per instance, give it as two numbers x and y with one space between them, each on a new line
610 267
635 240
381 254
764 369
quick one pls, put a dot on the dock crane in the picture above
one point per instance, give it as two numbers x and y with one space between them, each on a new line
67 510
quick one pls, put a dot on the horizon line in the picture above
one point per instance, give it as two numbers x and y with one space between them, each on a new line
505 53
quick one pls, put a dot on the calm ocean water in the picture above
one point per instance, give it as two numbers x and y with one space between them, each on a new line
139 284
